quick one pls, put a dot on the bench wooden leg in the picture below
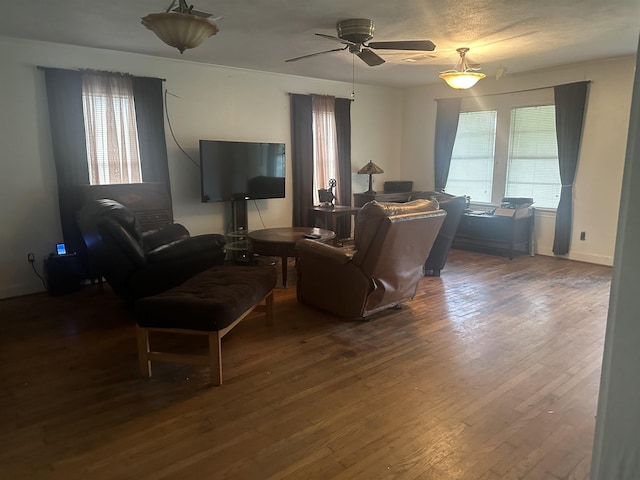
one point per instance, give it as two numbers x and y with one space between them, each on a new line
268 302
215 358
143 351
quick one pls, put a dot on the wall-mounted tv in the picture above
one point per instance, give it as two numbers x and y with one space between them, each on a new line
241 170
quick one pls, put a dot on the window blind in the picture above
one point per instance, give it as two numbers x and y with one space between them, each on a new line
471 169
532 169
111 130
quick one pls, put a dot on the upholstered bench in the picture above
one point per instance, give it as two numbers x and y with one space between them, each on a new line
210 303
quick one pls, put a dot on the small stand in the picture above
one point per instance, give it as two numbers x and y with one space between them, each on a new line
237 241
238 246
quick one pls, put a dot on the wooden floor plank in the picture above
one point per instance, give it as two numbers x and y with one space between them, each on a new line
492 371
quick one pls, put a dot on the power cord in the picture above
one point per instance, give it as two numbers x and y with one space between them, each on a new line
259 213
31 258
166 109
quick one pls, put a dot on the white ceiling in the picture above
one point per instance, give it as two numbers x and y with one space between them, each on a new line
520 35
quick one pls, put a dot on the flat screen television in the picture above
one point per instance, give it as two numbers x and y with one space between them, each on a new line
241 170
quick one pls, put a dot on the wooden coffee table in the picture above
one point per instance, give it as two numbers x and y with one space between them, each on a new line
281 242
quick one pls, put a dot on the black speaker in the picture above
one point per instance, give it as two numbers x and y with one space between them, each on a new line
396 186
239 214
240 221
63 274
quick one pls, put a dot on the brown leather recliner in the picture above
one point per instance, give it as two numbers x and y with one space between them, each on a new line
138 264
391 243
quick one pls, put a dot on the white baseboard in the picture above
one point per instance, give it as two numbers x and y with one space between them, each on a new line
581 257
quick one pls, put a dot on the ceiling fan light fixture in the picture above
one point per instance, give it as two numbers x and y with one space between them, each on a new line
181 30
463 78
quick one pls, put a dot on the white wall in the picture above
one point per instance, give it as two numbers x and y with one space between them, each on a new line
393 128
599 174
616 452
213 103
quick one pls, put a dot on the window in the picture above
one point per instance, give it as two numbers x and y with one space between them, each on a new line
471 168
110 129
533 169
325 144
508 149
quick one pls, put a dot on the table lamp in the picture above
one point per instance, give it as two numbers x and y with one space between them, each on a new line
370 169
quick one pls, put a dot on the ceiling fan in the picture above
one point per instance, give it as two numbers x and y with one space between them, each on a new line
353 33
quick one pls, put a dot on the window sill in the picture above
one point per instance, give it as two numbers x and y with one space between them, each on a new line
546 210
489 206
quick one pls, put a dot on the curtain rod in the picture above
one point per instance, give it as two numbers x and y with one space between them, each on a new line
515 91
40 67
319 94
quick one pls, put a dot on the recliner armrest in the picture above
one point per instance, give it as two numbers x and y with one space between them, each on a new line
329 253
118 244
187 247
152 239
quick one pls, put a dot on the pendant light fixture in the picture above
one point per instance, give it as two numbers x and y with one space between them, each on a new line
181 27
463 78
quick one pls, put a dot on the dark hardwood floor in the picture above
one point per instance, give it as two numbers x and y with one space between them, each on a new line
492 372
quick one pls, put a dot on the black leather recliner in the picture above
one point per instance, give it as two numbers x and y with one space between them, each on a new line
138 264
454 206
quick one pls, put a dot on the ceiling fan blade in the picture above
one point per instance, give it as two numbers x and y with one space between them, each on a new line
426 45
370 58
295 59
331 37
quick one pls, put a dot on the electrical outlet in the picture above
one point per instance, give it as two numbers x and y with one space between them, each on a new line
583 235
31 257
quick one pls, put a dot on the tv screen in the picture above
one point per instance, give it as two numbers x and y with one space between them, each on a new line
241 170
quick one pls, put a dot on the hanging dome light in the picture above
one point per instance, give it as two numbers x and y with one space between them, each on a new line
180 28
463 78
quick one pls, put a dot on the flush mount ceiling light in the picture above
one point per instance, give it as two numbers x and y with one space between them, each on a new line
183 27
463 78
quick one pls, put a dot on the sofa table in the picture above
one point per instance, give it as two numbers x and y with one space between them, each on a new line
359 199
327 217
487 232
281 242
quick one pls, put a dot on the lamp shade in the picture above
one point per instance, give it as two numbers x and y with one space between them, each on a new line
461 80
371 169
180 30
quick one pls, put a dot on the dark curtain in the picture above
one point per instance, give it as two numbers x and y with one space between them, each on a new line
66 118
570 103
64 96
302 159
446 127
147 95
343 133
